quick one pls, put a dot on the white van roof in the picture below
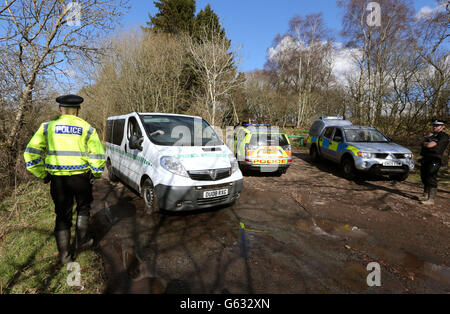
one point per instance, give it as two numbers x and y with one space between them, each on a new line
152 113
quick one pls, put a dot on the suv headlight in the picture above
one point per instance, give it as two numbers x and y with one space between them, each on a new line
234 163
173 165
409 156
366 155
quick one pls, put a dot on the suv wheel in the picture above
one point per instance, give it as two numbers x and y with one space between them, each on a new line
348 167
112 177
148 194
314 154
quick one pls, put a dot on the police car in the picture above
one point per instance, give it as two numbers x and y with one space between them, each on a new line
262 147
360 148
176 162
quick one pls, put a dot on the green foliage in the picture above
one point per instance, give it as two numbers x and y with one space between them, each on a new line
174 16
207 25
28 253
178 17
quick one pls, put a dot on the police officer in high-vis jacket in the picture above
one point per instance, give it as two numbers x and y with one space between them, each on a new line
68 153
433 147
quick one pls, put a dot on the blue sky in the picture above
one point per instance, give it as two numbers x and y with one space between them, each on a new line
254 23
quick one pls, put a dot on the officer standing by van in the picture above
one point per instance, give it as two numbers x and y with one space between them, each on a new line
433 147
68 153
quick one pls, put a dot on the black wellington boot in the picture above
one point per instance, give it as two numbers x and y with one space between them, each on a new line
431 197
63 244
424 196
83 242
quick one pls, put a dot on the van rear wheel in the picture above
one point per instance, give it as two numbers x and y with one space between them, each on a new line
148 194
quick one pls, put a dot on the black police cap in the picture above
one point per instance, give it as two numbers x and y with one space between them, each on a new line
437 122
69 100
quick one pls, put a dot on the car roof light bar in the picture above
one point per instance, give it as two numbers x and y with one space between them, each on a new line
332 118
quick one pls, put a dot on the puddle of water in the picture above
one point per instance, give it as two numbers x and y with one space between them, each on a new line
411 266
329 228
437 272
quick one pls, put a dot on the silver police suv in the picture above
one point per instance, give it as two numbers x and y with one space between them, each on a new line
360 148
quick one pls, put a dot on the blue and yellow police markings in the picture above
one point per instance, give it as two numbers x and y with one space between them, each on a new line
335 147
311 140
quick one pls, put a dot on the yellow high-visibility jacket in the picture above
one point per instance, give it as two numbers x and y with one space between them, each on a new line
70 145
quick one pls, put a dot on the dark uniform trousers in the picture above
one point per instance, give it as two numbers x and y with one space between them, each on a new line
64 190
428 172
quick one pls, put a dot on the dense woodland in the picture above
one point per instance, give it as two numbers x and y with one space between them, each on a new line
396 78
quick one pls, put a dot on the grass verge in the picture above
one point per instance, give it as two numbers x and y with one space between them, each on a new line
28 252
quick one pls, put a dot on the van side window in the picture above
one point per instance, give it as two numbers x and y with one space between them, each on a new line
328 133
109 130
133 128
117 133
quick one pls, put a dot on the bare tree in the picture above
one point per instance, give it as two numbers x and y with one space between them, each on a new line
214 64
429 34
40 38
141 72
301 60
378 45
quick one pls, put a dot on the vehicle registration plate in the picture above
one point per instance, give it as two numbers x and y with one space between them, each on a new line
269 161
269 152
391 163
216 193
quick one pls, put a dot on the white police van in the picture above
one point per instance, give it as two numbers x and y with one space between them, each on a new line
176 162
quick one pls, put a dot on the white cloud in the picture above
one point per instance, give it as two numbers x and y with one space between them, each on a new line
427 12
287 44
345 63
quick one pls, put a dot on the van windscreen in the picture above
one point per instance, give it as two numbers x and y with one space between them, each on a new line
179 131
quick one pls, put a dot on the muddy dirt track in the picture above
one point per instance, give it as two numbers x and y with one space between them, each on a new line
309 231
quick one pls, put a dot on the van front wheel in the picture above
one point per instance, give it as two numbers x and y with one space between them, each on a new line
148 194
112 177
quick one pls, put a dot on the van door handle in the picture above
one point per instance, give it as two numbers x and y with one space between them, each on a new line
125 148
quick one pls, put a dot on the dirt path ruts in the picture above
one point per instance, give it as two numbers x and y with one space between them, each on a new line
307 231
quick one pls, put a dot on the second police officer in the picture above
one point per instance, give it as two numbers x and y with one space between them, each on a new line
433 147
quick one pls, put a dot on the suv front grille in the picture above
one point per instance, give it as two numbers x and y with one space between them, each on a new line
399 156
210 175
381 156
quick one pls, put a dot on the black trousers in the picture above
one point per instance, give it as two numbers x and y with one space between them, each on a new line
428 172
64 190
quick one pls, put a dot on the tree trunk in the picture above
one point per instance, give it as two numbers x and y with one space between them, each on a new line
24 102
